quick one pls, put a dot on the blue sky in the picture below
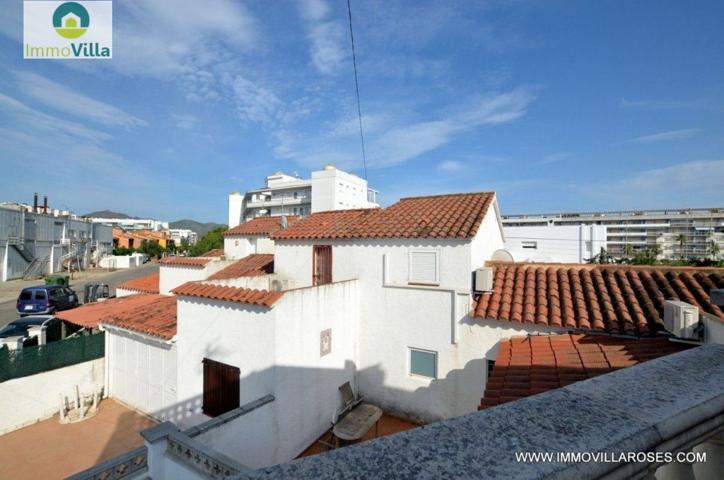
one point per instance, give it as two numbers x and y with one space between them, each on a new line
556 105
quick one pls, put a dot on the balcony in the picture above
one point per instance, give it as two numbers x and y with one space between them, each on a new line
279 201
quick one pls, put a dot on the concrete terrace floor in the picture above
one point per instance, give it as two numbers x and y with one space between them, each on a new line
50 450
388 425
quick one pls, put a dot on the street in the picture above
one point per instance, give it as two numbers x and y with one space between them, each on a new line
7 308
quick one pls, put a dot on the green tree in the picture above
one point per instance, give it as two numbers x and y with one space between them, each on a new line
681 239
151 248
123 251
210 241
714 250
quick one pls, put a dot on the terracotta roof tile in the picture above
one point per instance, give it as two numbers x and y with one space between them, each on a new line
228 294
250 266
157 318
440 216
260 226
612 298
216 252
185 261
530 365
91 314
145 284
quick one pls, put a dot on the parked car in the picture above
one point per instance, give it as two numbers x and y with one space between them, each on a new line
46 299
24 331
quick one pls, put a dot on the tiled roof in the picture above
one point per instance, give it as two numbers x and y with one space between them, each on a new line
260 226
91 314
185 261
617 299
529 365
439 216
249 296
145 284
250 266
216 252
157 318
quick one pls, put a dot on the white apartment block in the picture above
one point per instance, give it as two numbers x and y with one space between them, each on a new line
132 223
183 235
555 243
327 189
682 233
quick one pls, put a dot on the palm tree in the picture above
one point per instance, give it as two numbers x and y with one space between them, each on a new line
714 250
682 241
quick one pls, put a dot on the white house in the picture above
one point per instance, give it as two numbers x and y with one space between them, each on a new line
253 236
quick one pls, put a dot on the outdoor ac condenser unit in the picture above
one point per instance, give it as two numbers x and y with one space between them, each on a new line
681 318
483 280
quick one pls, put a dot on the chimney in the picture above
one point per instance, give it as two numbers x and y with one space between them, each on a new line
283 222
45 204
35 203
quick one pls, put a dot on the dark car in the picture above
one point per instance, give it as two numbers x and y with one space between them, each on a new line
17 334
46 299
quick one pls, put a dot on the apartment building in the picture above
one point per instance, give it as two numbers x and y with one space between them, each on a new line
680 233
131 223
282 194
34 243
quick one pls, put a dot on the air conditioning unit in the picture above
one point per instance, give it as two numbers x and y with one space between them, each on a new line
483 280
681 319
279 284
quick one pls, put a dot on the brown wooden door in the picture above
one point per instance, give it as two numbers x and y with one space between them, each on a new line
322 264
221 387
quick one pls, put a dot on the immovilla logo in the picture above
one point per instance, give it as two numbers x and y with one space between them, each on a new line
67 30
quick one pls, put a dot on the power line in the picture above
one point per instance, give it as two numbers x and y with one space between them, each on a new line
356 87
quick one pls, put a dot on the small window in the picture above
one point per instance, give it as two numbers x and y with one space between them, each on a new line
40 295
26 295
423 363
530 244
221 387
296 194
423 267
491 365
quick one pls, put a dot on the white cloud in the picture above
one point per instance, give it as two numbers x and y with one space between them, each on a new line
327 38
255 102
662 104
313 10
399 139
451 166
554 158
688 184
185 121
69 101
664 136
22 115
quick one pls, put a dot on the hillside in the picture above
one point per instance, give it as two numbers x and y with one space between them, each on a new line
107 214
200 228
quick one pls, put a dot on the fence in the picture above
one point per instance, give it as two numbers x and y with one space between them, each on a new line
32 360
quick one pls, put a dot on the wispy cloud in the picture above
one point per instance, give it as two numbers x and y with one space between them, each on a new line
695 184
662 104
402 139
185 121
668 136
69 101
451 166
554 158
327 37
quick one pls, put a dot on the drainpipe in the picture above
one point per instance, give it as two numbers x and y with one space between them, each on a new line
4 272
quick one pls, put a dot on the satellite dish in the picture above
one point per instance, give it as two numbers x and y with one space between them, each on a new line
502 255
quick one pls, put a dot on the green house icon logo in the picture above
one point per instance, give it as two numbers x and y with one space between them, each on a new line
71 20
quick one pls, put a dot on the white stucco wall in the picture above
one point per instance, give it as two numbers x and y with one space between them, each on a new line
237 247
122 292
395 316
171 276
555 243
142 372
283 360
27 400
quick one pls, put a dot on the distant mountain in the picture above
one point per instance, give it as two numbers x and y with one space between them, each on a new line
107 214
201 229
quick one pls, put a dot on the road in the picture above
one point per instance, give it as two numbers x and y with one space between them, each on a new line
7 308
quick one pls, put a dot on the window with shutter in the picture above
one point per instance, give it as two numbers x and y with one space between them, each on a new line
221 387
321 264
424 267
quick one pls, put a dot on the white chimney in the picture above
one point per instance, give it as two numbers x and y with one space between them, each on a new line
681 319
483 279
235 201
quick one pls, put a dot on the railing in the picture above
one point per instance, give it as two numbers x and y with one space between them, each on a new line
33 360
127 465
201 458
